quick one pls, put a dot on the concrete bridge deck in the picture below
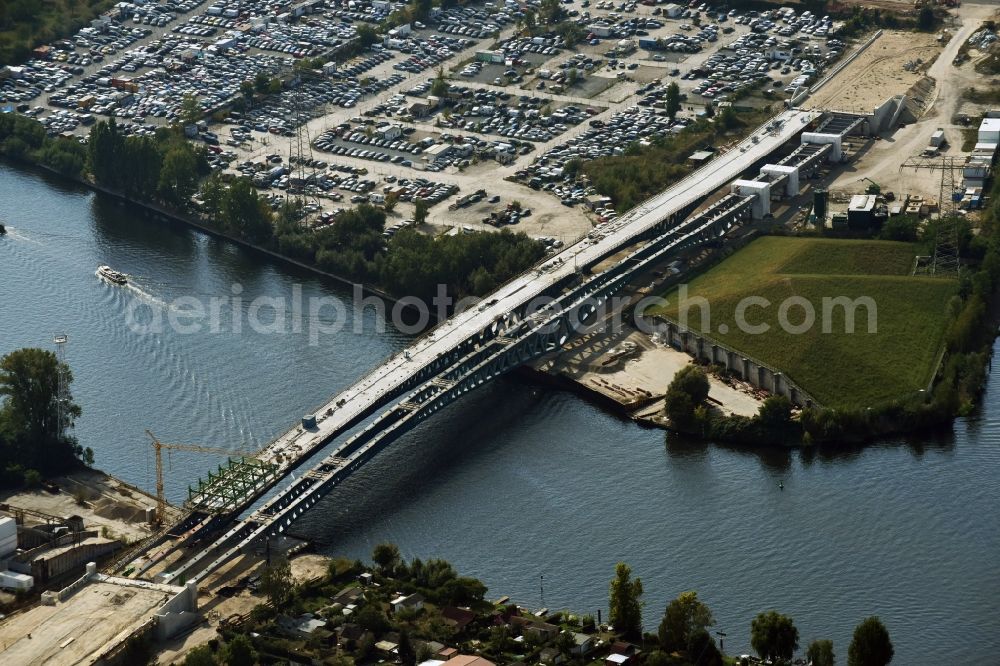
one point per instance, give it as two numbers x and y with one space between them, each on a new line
494 337
388 380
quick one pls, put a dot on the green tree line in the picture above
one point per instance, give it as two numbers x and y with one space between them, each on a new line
25 138
683 639
411 263
645 170
164 167
36 419
24 24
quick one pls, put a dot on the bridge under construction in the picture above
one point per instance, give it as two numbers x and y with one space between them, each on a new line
532 315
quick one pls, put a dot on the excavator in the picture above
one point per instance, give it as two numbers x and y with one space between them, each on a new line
876 189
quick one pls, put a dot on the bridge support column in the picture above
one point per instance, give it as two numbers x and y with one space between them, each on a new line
791 183
761 192
834 139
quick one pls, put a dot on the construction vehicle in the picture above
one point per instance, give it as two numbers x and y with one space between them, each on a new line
876 189
158 446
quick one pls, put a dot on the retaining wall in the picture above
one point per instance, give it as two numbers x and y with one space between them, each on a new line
750 370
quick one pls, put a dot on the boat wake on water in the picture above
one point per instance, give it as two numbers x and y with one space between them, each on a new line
16 235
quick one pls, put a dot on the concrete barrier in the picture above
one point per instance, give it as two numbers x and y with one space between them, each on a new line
747 368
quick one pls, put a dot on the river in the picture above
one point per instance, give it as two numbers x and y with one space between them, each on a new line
515 482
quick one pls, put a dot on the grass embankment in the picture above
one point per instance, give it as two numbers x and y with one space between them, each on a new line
24 24
840 369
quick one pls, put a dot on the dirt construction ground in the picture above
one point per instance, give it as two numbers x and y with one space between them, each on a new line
102 501
878 73
883 160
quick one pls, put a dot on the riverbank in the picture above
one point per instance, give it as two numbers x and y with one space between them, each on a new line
168 214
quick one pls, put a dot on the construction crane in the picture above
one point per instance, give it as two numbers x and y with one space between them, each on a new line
158 446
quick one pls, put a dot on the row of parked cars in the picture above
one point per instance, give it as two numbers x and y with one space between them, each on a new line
333 141
603 139
427 52
524 118
360 65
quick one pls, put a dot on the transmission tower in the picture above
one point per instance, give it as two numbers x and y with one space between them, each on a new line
301 144
60 340
946 261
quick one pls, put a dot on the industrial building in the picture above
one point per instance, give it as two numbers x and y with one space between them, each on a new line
979 165
36 548
861 211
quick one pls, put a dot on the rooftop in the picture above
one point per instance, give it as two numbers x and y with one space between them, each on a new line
89 620
990 125
862 202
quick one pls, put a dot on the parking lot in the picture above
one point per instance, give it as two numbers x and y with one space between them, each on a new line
515 108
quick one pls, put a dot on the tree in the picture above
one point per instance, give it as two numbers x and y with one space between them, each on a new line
463 590
405 650
386 557
925 20
246 214
35 418
190 110
104 149
687 390
366 35
691 379
774 636
239 652
276 581
200 656
371 618
658 658
247 88
901 228
550 12
673 99
178 174
420 211
820 653
775 413
213 193
260 82
871 645
439 88
565 643
684 616
625 602
422 8
703 650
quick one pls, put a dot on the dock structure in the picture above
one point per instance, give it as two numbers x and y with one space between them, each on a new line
531 315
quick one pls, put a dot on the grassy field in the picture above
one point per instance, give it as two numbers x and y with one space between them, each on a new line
838 368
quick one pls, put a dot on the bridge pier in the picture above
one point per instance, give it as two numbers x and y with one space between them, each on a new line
833 139
760 190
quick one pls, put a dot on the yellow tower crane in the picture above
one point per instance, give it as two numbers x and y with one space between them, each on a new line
161 502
